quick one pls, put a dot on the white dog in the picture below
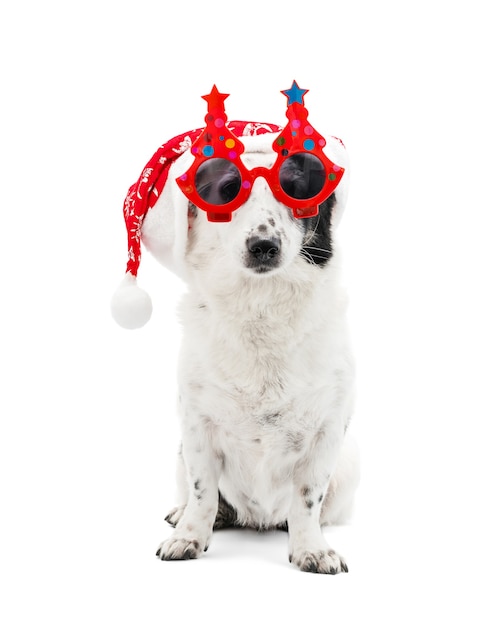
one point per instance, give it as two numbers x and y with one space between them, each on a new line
266 371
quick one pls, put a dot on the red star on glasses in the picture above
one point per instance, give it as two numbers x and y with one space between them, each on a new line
214 99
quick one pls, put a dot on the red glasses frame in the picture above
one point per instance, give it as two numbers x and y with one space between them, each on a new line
218 141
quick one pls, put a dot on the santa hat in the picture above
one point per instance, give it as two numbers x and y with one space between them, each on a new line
131 306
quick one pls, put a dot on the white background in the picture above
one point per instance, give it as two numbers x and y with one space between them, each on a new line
88 427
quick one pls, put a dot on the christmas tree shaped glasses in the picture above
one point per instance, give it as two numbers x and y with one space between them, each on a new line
302 176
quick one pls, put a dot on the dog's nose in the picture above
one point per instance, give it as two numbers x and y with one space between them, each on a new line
263 250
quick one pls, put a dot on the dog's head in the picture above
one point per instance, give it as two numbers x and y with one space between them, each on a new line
263 237
259 189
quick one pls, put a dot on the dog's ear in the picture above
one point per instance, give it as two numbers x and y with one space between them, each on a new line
336 151
166 226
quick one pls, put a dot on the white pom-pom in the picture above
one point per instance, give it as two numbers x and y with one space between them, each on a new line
130 305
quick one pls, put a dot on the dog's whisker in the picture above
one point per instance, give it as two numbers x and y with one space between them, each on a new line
312 235
307 256
317 249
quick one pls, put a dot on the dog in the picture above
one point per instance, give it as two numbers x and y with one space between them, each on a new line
266 372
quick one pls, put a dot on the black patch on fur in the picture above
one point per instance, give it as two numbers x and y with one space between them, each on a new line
317 246
272 418
295 441
221 457
199 492
306 493
226 515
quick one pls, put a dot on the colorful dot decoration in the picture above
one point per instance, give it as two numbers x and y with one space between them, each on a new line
217 140
298 136
224 147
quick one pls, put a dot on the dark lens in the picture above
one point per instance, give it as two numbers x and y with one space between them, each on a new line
302 176
218 181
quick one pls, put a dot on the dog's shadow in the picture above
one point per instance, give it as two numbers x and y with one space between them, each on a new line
249 544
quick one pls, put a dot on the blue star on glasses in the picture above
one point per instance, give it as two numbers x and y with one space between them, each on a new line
295 94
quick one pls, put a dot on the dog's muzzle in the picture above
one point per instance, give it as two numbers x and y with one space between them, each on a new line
263 254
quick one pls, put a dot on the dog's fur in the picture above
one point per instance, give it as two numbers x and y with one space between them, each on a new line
265 376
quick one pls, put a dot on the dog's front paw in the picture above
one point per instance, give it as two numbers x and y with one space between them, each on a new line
321 561
175 515
179 549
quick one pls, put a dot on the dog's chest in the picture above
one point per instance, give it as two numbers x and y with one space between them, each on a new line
259 359
255 360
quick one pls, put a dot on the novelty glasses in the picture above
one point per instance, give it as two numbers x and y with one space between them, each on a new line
302 176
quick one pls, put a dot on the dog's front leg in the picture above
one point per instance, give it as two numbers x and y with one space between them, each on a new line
308 548
194 530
